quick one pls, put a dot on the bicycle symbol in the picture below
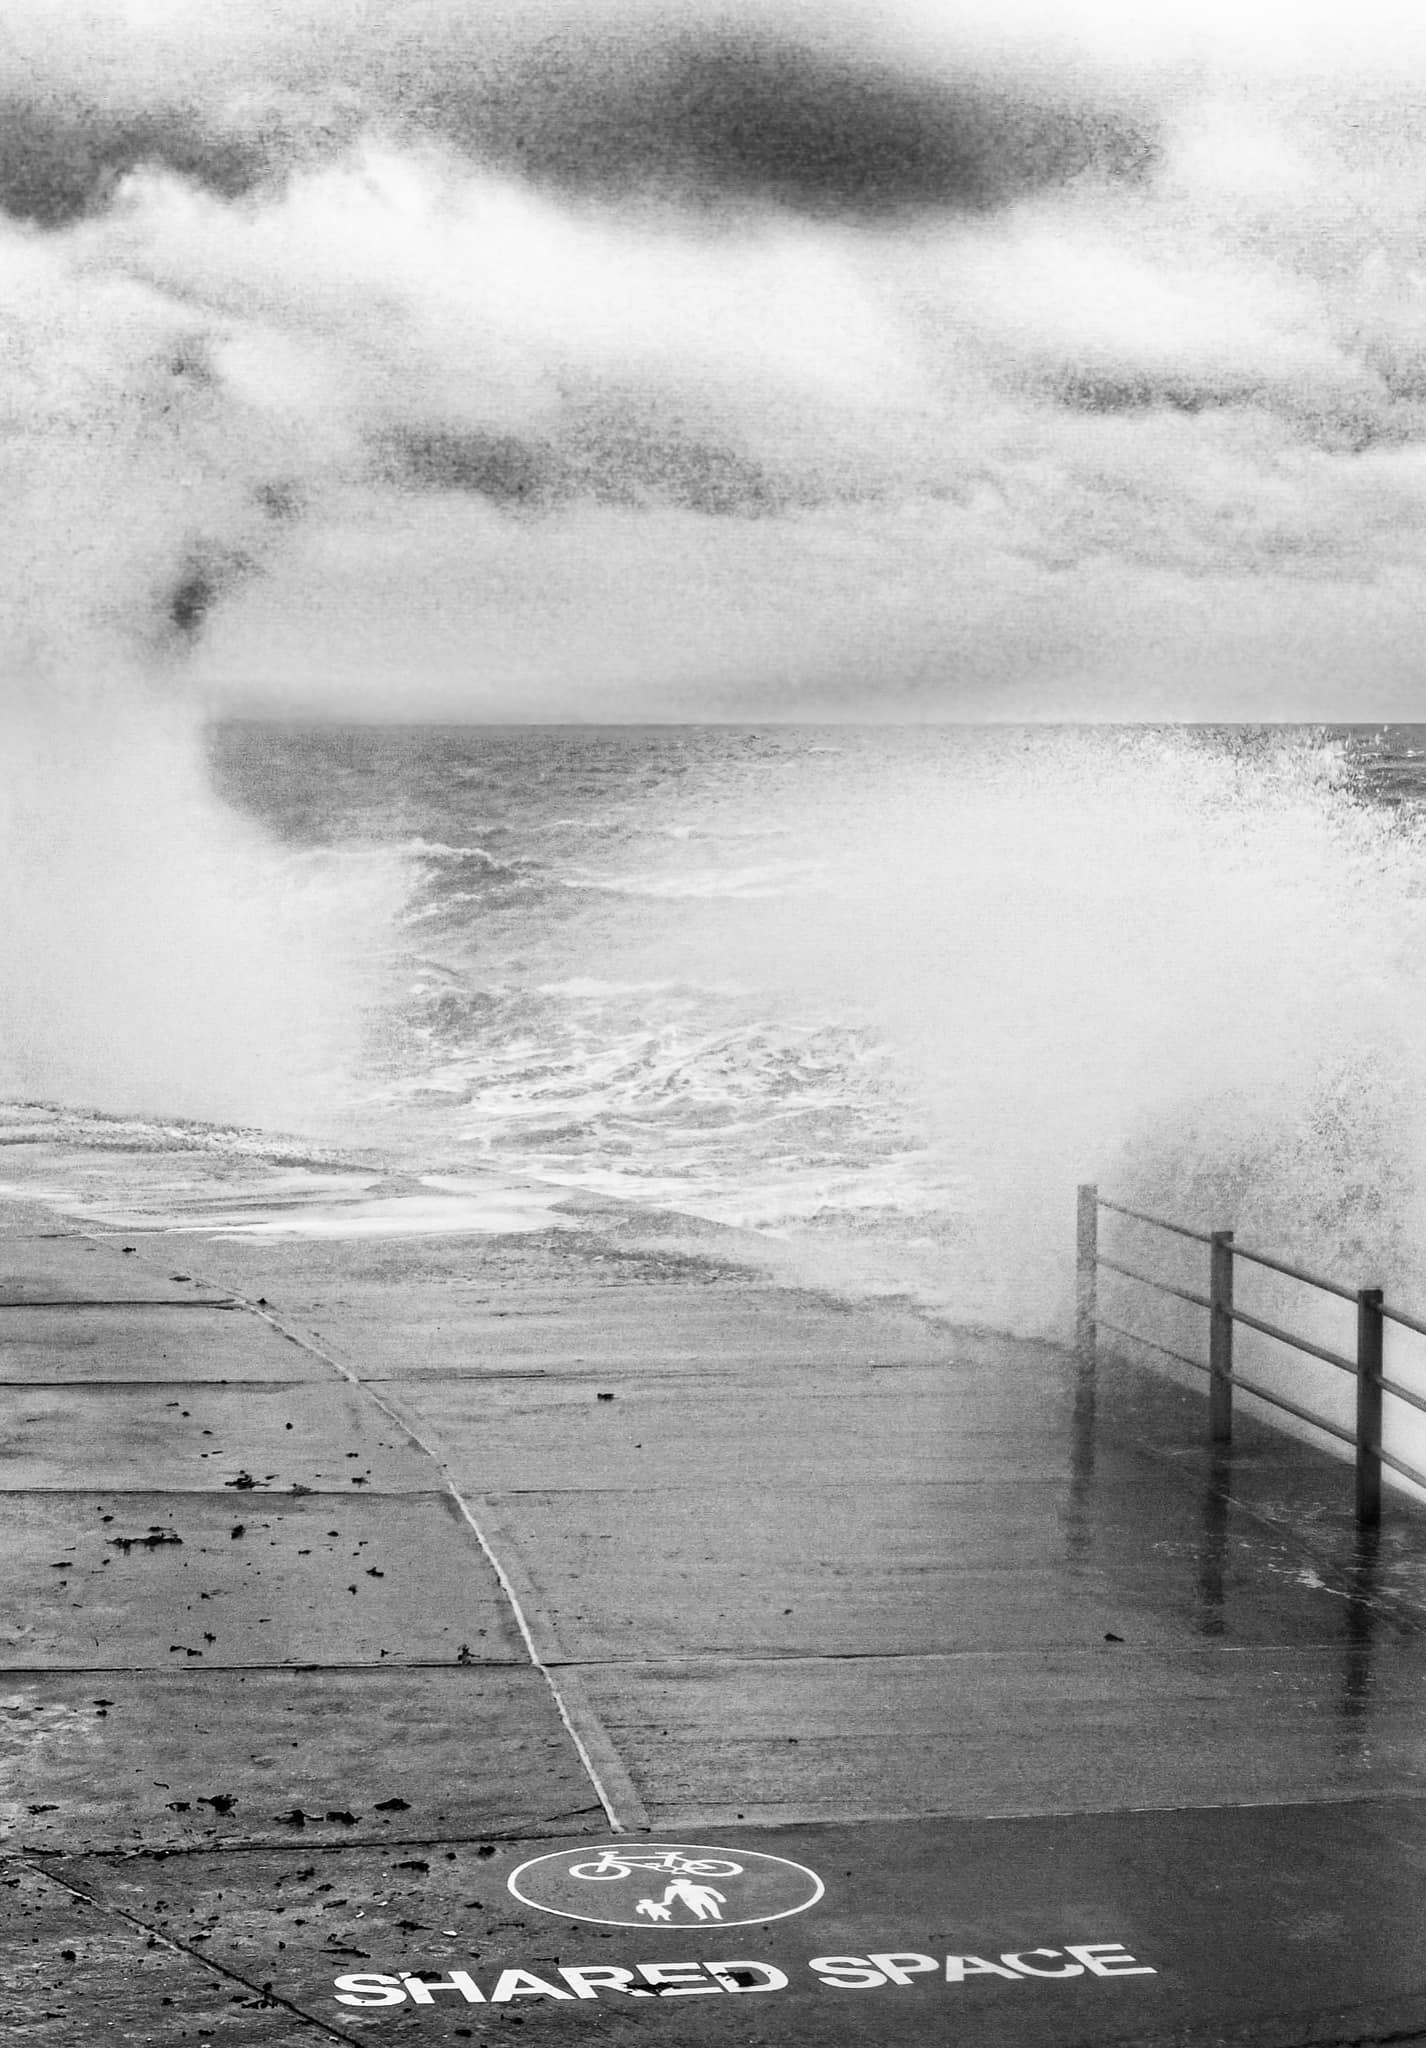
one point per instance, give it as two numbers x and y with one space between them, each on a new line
676 1885
624 1862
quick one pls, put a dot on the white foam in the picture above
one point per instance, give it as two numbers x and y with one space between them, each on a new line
497 1211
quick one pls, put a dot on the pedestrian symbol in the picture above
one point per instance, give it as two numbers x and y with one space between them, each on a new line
608 1884
701 1900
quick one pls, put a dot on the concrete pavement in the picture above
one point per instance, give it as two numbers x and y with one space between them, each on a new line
350 1577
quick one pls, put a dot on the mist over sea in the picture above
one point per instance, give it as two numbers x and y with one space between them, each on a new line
882 994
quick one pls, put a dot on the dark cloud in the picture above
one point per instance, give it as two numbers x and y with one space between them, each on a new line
623 461
61 159
698 116
710 116
988 318
210 569
604 460
1342 421
501 467
206 575
192 598
280 500
1139 390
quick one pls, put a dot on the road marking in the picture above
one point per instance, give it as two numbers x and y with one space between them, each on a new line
668 1884
612 1785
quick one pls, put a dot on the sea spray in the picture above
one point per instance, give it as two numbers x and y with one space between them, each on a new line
156 953
1190 966
958 972
883 995
160 954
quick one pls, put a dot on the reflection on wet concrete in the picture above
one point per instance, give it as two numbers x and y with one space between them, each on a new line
1362 1612
1083 1410
789 1562
1213 1543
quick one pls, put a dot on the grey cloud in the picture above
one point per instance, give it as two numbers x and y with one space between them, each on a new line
61 159
210 568
501 467
713 116
905 331
64 150
631 462
193 596
1343 422
1136 391
701 116
605 459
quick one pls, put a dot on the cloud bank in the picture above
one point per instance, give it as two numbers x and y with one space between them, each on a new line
636 361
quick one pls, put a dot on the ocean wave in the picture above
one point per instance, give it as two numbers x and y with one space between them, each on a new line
435 850
585 987
973 970
725 834
750 884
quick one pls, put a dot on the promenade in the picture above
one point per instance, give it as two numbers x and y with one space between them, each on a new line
349 1575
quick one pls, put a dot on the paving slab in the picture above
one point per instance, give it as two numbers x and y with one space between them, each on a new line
558 1299
650 1431
70 1268
120 1760
79 1975
1061 1933
203 1437
1015 1732
1302 1490
82 1344
382 1348
123 1580
390 1337
34 1219
891 1570
525 1271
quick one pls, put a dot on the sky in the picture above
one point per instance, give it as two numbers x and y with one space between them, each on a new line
1021 358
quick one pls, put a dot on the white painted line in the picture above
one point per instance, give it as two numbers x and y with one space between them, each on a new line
626 1814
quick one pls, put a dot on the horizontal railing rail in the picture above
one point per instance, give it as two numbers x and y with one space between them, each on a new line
1256 1258
1365 1437
1159 1222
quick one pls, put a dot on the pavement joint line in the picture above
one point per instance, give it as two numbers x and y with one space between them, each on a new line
1066 1649
270 1494
692 1662
158 1938
1062 1480
593 1730
227 1301
686 1819
537 1830
112 1386
482 1375
295 1670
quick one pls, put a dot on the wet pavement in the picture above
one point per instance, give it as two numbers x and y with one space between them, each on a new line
534 1627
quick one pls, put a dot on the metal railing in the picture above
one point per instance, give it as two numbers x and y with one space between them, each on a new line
1365 1367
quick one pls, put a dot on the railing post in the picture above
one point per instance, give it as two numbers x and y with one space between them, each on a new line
1086 1298
1220 1337
1369 1336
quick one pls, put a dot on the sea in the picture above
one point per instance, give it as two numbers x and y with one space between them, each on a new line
879 997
